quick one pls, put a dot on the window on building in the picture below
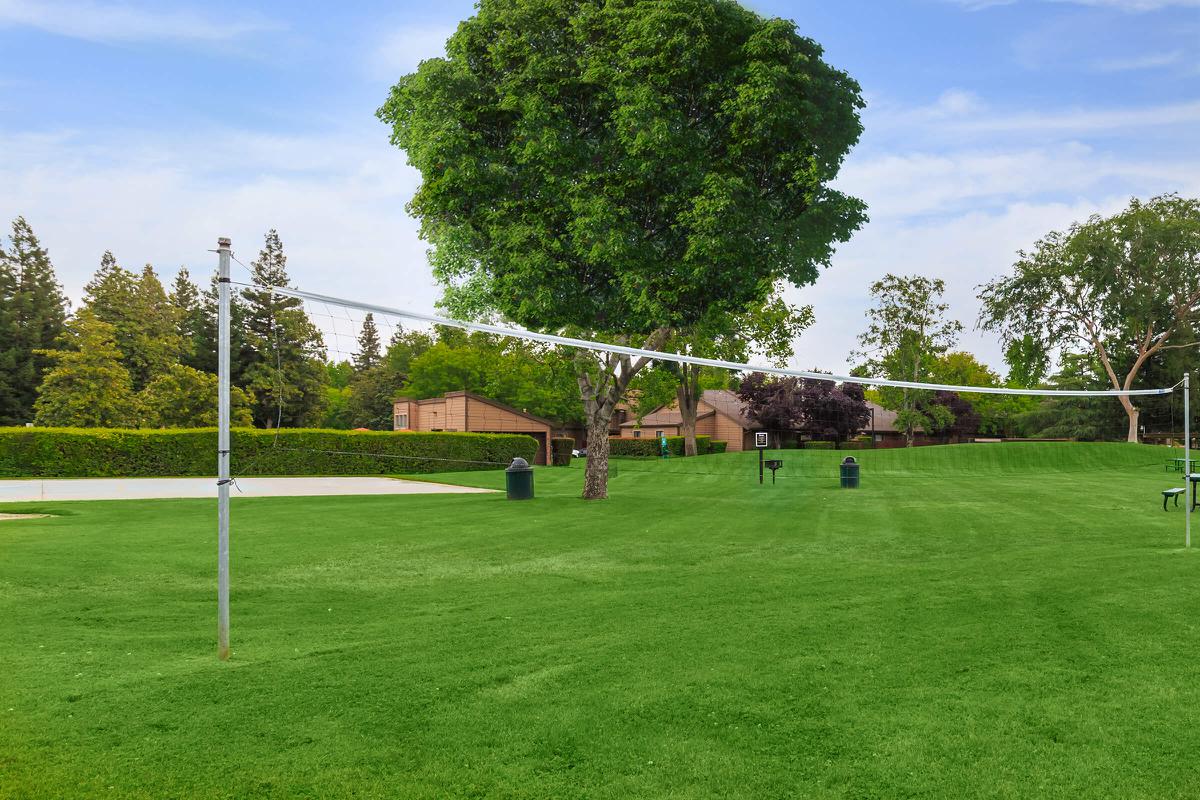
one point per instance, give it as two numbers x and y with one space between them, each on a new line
401 422
637 434
658 434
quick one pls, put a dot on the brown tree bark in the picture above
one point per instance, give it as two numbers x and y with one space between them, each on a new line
602 388
688 397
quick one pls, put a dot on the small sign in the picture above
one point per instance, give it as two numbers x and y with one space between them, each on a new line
760 439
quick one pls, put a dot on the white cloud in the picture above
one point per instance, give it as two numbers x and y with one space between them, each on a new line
342 217
1133 63
400 51
122 22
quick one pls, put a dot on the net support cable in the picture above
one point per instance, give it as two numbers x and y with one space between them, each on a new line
638 352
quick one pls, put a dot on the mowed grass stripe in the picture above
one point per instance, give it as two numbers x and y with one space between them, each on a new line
939 635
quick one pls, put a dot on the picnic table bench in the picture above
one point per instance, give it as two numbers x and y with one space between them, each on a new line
1168 493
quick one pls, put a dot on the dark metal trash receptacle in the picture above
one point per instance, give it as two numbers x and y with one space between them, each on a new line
518 480
849 473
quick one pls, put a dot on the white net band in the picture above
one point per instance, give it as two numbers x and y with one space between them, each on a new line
637 352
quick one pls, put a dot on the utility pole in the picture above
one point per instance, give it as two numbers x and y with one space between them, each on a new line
223 477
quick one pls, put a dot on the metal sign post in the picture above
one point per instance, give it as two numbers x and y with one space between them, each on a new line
760 441
223 478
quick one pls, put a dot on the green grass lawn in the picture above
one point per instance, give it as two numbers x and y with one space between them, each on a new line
975 621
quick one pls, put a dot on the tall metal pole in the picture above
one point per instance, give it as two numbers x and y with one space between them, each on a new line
1187 458
223 449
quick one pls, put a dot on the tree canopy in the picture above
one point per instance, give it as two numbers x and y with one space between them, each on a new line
624 168
1125 287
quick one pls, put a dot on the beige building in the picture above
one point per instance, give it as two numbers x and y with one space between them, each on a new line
718 416
464 411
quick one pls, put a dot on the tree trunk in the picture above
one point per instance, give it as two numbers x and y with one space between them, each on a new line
1133 412
595 476
602 384
688 396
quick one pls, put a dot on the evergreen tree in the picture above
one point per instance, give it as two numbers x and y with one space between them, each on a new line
189 320
204 355
183 397
368 345
36 319
137 308
10 401
88 387
286 372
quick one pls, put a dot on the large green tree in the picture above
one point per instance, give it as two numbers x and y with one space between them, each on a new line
183 397
286 372
33 311
1124 287
907 333
143 321
621 168
88 387
187 309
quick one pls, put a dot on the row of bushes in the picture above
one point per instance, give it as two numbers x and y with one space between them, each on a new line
651 447
96 452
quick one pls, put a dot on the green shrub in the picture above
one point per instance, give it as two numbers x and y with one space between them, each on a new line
717 446
97 452
649 448
820 445
560 451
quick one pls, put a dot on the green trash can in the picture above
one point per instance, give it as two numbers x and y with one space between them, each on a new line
518 479
849 473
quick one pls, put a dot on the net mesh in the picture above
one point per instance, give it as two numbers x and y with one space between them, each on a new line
1065 425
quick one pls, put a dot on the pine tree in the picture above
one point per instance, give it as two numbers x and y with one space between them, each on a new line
189 319
137 308
41 311
368 346
287 370
10 401
88 387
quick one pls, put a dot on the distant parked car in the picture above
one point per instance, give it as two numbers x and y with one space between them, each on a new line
580 453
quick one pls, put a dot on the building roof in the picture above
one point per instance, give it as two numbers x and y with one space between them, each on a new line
662 416
480 399
727 402
722 401
885 420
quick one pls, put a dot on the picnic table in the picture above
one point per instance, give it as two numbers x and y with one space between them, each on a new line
1194 479
1175 464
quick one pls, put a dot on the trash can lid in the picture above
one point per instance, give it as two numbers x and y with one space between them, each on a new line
849 460
518 463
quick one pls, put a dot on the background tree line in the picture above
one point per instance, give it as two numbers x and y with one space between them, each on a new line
137 354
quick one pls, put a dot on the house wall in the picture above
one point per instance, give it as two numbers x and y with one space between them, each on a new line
461 412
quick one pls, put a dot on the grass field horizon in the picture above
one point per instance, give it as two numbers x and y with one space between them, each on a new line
975 621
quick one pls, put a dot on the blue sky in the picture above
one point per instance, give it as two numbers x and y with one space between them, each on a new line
153 127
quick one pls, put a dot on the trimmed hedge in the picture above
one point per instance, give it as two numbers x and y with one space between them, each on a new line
649 448
560 451
100 452
717 446
820 445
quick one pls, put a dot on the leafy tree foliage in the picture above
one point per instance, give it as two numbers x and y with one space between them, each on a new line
831 410
88 387
907 334
183 397
622 169
990 414
286 352
1124 287
767 330
33 311
144 324
536 379
772 403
